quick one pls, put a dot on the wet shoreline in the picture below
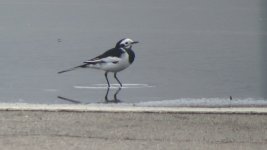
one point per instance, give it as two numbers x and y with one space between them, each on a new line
132 108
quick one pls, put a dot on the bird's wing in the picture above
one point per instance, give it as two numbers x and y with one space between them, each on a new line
111 55
110 59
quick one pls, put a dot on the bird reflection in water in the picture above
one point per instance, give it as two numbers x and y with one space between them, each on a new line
115 99
107 100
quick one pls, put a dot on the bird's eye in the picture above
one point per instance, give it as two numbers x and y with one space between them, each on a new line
126 43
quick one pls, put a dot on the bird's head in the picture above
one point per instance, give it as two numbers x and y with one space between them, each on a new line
126 43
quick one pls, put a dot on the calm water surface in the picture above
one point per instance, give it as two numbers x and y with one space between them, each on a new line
191 49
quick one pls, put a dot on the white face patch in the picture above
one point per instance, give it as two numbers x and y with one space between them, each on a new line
127 43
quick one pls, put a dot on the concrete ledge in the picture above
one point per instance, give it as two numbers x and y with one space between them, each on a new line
128 108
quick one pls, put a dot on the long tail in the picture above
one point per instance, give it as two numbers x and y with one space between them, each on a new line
67 70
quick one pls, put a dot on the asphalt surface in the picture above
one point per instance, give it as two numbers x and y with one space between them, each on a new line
74 130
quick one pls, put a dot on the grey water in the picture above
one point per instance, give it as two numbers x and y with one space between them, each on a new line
191 49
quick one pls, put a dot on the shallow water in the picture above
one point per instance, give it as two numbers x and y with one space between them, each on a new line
191 49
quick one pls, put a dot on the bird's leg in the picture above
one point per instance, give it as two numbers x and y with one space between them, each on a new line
106 76
115 76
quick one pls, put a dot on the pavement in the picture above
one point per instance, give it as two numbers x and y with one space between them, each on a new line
81 127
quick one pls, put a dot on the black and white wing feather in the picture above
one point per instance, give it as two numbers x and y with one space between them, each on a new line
110 56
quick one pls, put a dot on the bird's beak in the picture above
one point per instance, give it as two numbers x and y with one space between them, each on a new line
135 42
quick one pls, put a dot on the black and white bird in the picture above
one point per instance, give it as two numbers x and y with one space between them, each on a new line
114 60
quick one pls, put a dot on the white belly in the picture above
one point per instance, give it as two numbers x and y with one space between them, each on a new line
113 66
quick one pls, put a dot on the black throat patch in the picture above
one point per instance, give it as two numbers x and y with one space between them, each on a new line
131 55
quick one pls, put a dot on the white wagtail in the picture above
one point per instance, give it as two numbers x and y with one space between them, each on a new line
113 60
